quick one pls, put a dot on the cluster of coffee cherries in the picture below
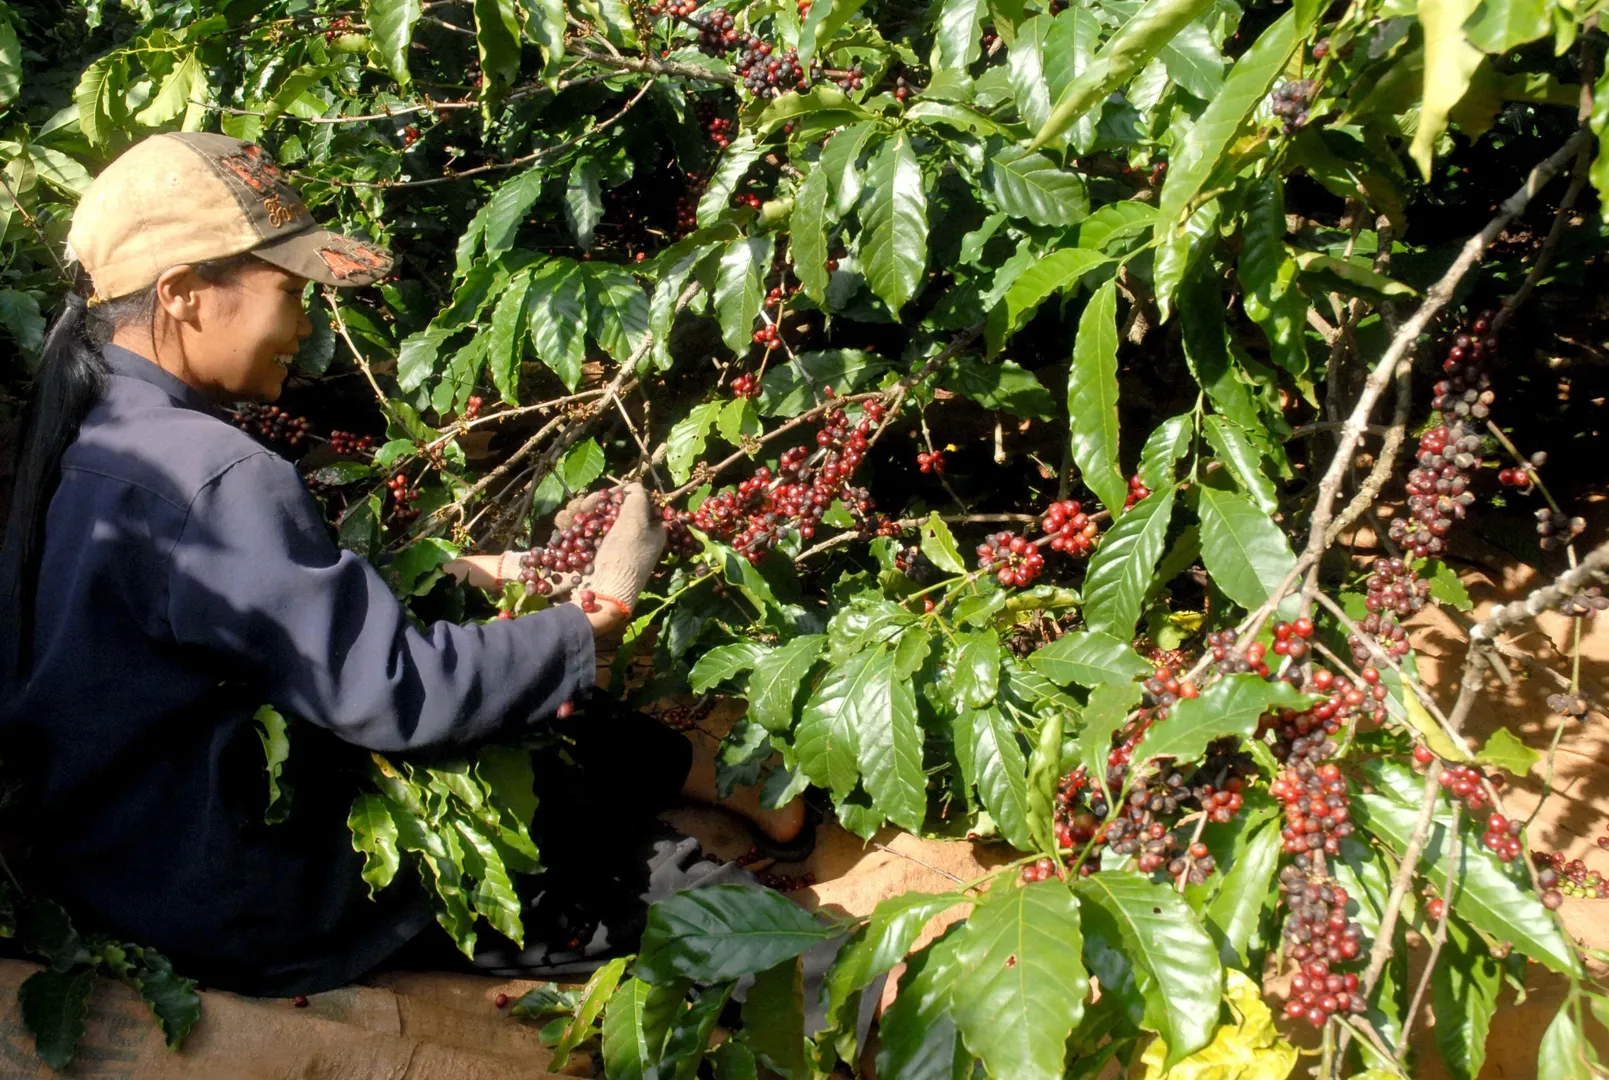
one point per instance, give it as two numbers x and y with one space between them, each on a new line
410 135
745 386
570 550
687 204
766 72
1502 837
1319 936
721 130
1460 781
339 26
1520 478
755 515
1582 604
679 9
686 717
1290 638
1556 529
1567 877
930 462
748 199
1137 491
272 423
1012 559
902 90
1071 531
403 498
473 406
1318 811
348 444
1290 102
853 78
779 293
1230 659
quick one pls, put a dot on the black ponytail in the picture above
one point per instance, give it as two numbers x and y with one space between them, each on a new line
71 378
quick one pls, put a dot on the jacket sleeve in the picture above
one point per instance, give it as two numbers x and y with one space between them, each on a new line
255 579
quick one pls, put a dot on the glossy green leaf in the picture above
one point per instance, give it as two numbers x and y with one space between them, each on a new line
1104 716
1122 569
890 931
1245 461
740 289
173 96
1230 706
1245 552
1450 62
1166 445
638 1018
544 24
1044 774
617 311
1089 658
1463 991
889 742
725 662
1092 399
773 1018
734 164
95 87
1030 186
556 316
1004 385
689 1036
172 997
1140 38
956 41
687 439
840 160
1150 934
724 932
497 39
1489 896
1179 252
975 667
581 465
1248 83
1001 774
54 1005
940 547
276 751
1565 1053
1506 751
807 229
917 1033
893 249
1022 985
594 995
1194 62
583 202
10 61
507 347
1349 277
775 682
826 738
1025 66
1056 272
1499 26
1235 910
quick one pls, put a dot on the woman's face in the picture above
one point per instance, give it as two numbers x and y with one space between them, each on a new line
245 332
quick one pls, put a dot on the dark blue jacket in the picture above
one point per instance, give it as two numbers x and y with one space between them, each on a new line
188 579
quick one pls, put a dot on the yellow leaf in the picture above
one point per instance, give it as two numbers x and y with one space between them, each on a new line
1249 1049
1450 61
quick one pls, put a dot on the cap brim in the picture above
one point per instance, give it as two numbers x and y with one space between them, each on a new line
328 257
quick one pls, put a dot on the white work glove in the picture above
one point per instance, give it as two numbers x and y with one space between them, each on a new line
627 555
510 565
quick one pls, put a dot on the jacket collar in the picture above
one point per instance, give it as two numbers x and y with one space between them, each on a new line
132 365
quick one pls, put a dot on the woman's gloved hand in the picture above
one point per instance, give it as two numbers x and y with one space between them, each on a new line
626 556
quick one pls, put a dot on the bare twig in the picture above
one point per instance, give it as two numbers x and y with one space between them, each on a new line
650 66
1595 567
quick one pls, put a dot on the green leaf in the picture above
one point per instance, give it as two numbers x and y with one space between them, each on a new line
690 1035
917 1032
823 24
1044 772
1194 62
733 1060
939 545
583 202
1349 277
1115 221
19 314
91 96
617 311
1149 931
1450 62
276 750
374 836
507 346
775 682
507 208
1488 895
734 163
724 932
1245 461
1030 186
1463 991
774 1019
1236 909
1022 985
581 465
1265 268
635 1024
1247 84
556 315
808 230
1166 445
544 24
54 1005
1004 386
10 60
1131 48
888 741
594 995
956 42
1054 273
740 289
1122 570
1500 26
1092 399
959 117
1106 714
497 40
890 931
893 247
1246 554
724 662
173 97
418 566
172 997
1178 253
686 441
975 668
1089 658
1565 1053
840 159
1445 585
1001 775
1506 751
826 738
391 25
1230 706
789 389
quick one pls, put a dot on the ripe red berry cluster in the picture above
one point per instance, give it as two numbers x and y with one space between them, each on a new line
570 550
339 26
1014 560
1137 491
1223 647
1318 811
347 444
410 135
902 91
755 515
1461 781
1556 529
1562 877
850 79
930 462
1290 102
1502 837
746 386
272 423
765 72
402 498
473 406
1071 531
1290 638
748 199
1520 478
778 294
1043 870
1319 935
769 335
680 9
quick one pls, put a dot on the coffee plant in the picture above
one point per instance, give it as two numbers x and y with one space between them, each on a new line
1027 390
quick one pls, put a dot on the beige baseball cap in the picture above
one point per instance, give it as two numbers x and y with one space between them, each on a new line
191 197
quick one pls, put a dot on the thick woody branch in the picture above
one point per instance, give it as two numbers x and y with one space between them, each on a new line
1593 568
650 66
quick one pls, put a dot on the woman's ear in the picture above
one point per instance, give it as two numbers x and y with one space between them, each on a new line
177 294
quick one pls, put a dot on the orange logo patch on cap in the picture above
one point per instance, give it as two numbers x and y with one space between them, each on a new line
257 171
356 259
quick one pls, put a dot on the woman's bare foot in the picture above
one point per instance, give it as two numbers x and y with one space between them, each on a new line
782 824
